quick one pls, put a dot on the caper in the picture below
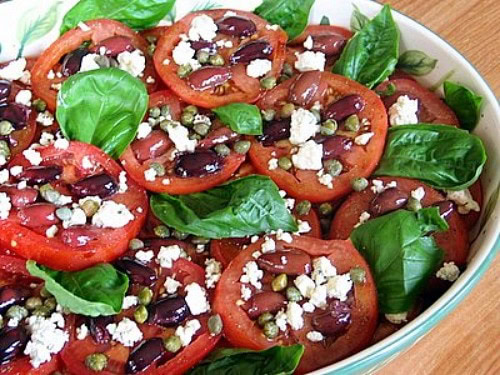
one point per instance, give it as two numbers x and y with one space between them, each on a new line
50 194
268 114
268 83
333 167
284 163
280 282
352 123
287 110
195 136
316 114
414 204
151 39
63 213
201 129
187 118
135 244
287 69
165 124
358 275
41 311
96 361
40 105
158 168
155 112
200 240
33 302
203 57
359 183
6 127
145 296
217 60
141 314
181 236
215 324
325 209
293 294
264 318
165 111
90 207
242 147
329 127
102 61
172 344
16 312
222 150
161 231
151 49
271 330
184 70
4 149
44 293
50 303
191 109
303 207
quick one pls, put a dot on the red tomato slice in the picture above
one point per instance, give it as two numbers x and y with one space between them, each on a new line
360 161
241 331
242 88
22 366
70 41
104 244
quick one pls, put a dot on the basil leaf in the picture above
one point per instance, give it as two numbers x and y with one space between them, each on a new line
442 156
241 118
103 107
416 63
465 103
325 21
244 207
278 360
358 19
371 55
291 15
401 254
95 291
137 14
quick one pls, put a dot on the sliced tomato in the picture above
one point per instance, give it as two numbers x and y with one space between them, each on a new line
241 88
155 32
241 331
360 161
22 366
65 251
99 30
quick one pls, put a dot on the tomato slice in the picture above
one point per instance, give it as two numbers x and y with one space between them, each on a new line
242 88
360 161
70 41
22 366
75 247
241 331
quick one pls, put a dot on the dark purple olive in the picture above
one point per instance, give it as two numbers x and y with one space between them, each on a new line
5 87
114 45
259 49
335 146
12 343
12 295
101 185
169 312
38 175
72 62
204 45
345 107
308 88
236 26
209 77
267 301
275 131
445 209
330 45
297 262
198 164
17 114
138 272
145 355
97 328
334 320
388 201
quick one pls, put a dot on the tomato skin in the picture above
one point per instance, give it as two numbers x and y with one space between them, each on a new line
109 244
241 331
250 87
100 30
22 366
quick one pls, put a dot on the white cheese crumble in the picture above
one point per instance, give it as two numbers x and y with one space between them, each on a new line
133 62
308 60
45 118
448 272
304 125
171 285
14 70
4 176
213 271
304 226
144 130
183 53
398 318
82 332
325 178
51 231
315 336
77 217
268 246
379 187
83 26
363 139
32 156
308 43
46 139
112 215
144 256
5 206
418 193
281 320
169 254
363 218
187 332
259 68
89 63
122 182
16 170
294 316
180 136
126 332
338 286
305 285
272 164
24 97
150 174
272 27
61 144
202 27
246 293
464 201
129 301
283 236
196 299
309 156
403 111
323 269
252 274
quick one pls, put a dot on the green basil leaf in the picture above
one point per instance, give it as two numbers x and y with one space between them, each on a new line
358 19
465 103
442 156
103 107
244 207
278 360
241 118
325 21
95 291
416 63
401 254
291 15
137 14
371 55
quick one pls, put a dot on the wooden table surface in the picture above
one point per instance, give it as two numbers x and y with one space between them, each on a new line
468 340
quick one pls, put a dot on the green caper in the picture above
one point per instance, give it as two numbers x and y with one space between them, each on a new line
222 150
284 163
151 39
6 127
352 123
268 114
359 183
333 167
325 209
90 207
187 118
184 70
41 311
195 136
191 109
216 60
155 112
96 361
200 240
40 105
165 124
271 330
316 114
293 294
203 57
158 168
141 314
4 149
33 302
181 236
329 127
135 244
287 69
358 275
50 194
215 324
172 344
16 312
414 204
201 129
161 231
264 318
242 147
50 303
268 83
303 207
63 213
145 296
279 282
44 293
165 111
102 61
151 49
287 110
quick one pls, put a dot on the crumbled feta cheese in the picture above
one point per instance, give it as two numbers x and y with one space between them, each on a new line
165 181
304 226
112 215
318 296
224 43
24 97
272 27
309 156
363 218
126 332
323 269
315 336
246 293
338 286
379 187
89 62
325 178
51 74
308 43
283 236
3 160
308 60
294 316
305 285
304 125
404 111
144 256
448 272
16 170
150 80
45 118
252 274
418 193
268 246
259 68
397 318
187 332
122 182
254 239
32 156
463 200
169 254
26 77
133 62
308 307
78 217
150 174
363 139
22 185
14 70
46 139
166 62
180 136
281 320
272 164
171 285
202 27
230 13
282 193
196 299
83 26
82 332
144 130
56 86
129 301
61 144
51 231
4 176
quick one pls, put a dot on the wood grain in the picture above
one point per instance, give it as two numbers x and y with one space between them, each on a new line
468 340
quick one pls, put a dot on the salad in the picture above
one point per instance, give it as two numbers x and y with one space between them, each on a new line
232 193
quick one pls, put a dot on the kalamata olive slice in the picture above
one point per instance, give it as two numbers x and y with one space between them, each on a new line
236 26
388 201
20 197
275 131
78 236
217 137
12 295
38 215
307 89
153 146
445 209
259 49
72 62
169 312
265 302
12 343
138 272
209 77
335 146
17 114
144 355
329 44
5 87
39 175
289 262
334 320
97 328
101 185
198 164
114 45
204 45
345 107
